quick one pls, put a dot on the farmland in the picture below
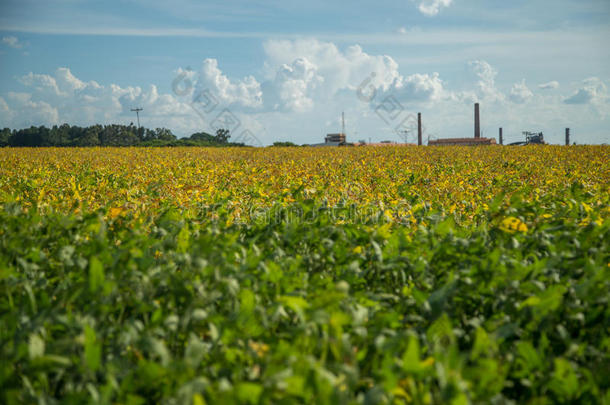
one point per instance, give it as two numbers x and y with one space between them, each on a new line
280 275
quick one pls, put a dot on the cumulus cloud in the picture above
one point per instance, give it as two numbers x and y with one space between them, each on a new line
294 86
431 8
31 112
306 85
63 97
418 88
549 86
486 85
246 92
340 69
593 91
13 42
41 83
520 93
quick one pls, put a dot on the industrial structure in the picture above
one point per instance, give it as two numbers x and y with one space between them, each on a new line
335 139
462 142
419 130
338 139
534 137
477 140
531 138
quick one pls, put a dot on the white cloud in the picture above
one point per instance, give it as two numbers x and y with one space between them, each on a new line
593 91
5 112
549 86
26 112
306 85
63 97
520 93
13 42
486 86
431 8
418 88
340 69
246 92
67 81
294 86
41 83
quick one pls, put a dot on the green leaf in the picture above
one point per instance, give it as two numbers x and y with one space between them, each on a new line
565 381
249 392
410 359
96 274
93 349
183 240
35 346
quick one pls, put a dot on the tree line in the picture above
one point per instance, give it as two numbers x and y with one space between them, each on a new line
108 135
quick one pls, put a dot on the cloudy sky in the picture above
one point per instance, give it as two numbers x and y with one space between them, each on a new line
284 70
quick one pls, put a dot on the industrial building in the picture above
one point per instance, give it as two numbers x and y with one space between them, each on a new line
335 138
462 141
477 140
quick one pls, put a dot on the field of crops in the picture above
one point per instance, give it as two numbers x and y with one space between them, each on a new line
278 275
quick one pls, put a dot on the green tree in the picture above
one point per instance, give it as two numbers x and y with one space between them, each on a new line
90 136
203 137
222 135
5 136
285 143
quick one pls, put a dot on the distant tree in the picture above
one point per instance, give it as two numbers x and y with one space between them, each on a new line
164 134
203 136
27 137
108 135
118 135
90 137
5 135
159 134
60 136
222 135
286 143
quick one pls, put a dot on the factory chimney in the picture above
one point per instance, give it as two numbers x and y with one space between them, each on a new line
477 122
501 140
419 131
567 136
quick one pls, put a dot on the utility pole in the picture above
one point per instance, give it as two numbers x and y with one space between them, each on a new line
567 136
137 110
501 140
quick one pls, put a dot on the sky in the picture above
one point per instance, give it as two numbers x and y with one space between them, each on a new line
271 70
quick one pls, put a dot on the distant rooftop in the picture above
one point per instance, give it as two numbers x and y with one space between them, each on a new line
462 141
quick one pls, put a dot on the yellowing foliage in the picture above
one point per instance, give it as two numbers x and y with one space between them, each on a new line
400 181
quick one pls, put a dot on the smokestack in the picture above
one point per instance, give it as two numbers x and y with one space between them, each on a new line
419 132
567 136
477 123
501 140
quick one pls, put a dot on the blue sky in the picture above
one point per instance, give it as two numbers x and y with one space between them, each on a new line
285 70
